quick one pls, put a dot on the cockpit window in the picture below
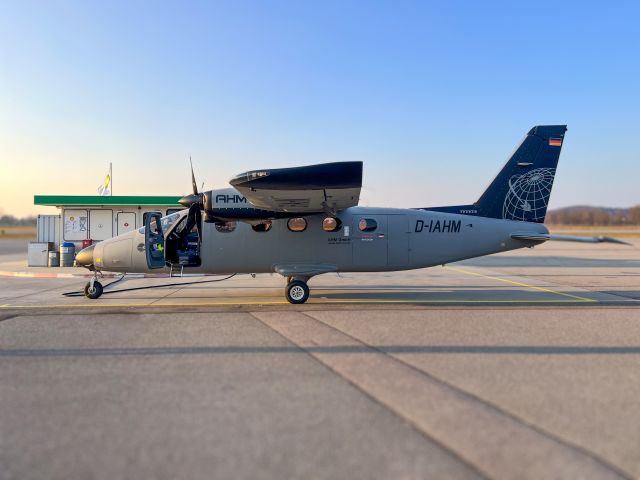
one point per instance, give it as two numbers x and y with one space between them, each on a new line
166 222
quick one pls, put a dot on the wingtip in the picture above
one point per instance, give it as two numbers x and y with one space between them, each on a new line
605 239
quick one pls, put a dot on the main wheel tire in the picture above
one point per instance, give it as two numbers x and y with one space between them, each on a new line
94 292
297 292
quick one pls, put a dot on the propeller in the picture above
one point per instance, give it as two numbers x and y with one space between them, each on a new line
194 202
198 201
195 198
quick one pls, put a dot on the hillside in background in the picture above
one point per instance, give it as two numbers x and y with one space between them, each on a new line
11 221
586 215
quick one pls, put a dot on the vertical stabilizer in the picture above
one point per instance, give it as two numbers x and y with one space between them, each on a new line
522 189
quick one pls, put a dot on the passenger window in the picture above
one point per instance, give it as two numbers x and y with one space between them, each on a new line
367 225
331 224
262 226
297 224
225 227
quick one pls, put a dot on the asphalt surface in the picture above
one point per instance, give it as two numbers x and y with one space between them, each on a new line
520 365
14 247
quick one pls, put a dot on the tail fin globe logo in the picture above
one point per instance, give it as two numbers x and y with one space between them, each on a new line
528 195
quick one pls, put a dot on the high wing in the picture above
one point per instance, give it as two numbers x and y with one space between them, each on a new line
327 187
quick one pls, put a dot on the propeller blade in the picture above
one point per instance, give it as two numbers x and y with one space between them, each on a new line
195 197
193 178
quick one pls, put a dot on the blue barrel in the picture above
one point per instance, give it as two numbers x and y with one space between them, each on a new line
68 254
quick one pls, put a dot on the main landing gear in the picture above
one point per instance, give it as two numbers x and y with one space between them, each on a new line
93 289
296 291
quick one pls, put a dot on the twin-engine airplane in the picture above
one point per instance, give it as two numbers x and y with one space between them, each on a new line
305 221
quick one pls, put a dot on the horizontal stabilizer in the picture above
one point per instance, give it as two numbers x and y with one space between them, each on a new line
531 237
596 239
543 237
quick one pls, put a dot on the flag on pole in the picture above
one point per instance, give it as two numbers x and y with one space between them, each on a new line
104 190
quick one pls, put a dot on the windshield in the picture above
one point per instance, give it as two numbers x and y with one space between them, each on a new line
166 222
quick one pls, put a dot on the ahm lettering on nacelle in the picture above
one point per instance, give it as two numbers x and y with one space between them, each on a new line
221 198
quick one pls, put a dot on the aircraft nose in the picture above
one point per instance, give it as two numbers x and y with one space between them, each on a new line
84 258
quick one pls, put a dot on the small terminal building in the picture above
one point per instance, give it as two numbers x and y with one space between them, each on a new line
86 219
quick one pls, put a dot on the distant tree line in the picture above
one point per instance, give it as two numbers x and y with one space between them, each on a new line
11 221
583 215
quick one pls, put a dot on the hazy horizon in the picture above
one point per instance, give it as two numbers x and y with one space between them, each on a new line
432 97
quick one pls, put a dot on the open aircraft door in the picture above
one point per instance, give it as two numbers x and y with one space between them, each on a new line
154 240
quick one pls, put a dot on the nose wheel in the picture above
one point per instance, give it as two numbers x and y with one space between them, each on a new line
93 289
296 291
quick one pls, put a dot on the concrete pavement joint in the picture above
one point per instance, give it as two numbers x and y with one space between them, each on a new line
460 405
488 404
377 401
167 295
40 292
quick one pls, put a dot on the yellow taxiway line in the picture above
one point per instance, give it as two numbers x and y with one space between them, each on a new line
520 284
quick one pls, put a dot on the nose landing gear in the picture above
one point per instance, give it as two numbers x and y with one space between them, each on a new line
93 289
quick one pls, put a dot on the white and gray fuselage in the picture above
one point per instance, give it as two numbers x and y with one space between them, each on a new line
403 239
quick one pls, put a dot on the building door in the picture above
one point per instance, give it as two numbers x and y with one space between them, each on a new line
75 225
100 224
126 222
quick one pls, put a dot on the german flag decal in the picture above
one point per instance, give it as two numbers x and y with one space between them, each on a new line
555 142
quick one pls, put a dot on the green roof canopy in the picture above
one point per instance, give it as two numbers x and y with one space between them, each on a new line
96 200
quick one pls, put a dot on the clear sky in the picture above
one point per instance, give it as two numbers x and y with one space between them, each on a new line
432 96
